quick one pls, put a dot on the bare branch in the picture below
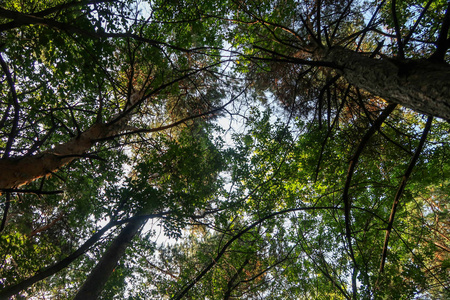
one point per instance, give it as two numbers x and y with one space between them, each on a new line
401 188
443 42
413 29
15 124
401 52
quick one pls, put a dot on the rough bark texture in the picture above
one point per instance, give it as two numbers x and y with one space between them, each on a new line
18 171
421 85
96 281
15 172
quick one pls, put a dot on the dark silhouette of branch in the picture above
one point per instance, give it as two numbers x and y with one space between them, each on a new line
443 42
351 169
56 9
14 289
161 87
369 118
417 22
186 289
400 190
341 18
323 270
278 57
15 124
9 291
36 192
174 124
326 88
49 225
417 258
5 211
398 35
231 285
21 19
330 130
100 274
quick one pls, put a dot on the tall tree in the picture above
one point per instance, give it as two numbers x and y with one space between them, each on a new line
394 50
86 84
106 118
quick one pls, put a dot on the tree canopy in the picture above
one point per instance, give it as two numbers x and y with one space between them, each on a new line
244 149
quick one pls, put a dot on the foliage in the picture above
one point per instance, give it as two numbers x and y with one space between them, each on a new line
319 188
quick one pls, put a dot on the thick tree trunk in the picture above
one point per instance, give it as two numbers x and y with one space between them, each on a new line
421 85
96 281
15 172
19 171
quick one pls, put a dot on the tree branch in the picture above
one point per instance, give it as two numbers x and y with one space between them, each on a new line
351 169
278 57
15 124
401 189
330 130
47 226
443 42
401 52
174 124
37 192
185 290
413 29
9 291
21 19
5 211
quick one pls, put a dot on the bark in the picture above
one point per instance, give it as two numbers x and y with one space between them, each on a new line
96 281
400 190
12 290
19 171
421 85
15 172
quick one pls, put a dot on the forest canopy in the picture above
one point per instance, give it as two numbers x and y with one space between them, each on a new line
231 149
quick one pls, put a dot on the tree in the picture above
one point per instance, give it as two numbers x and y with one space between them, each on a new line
84 80
324 39
108 114
334 60
304 219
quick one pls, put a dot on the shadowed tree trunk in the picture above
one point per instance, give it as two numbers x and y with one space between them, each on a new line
96 281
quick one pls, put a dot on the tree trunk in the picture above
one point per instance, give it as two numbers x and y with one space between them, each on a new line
421 85
15 172
96 281
19 171
10 291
